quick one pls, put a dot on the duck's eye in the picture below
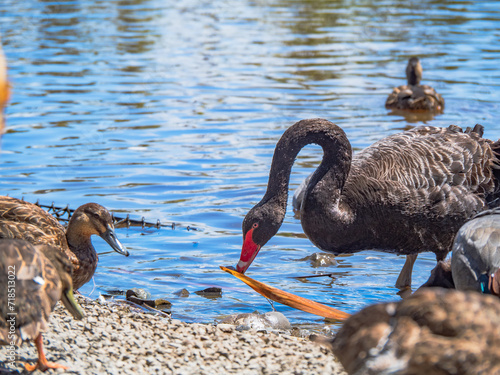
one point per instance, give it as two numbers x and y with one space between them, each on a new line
96 215
255 225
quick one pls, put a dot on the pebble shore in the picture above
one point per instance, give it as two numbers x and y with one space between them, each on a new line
114 338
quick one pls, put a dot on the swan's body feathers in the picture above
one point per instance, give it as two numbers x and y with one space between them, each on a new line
425 183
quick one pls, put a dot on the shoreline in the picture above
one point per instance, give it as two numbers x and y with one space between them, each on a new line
114 338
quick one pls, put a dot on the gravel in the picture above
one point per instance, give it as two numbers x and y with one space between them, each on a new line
114 338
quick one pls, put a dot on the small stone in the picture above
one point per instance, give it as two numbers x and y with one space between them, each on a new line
227 328
182 293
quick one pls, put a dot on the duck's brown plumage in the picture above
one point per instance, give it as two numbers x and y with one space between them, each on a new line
37 288
39 276
24 220
434 331
408 193
414 96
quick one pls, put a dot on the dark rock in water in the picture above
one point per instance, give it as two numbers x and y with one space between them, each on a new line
213 292
182 293
141 301
272 320
142 297
320 259
162 303
138 293
113 292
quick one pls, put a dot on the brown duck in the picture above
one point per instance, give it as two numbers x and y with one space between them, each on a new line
434 331
23 220
415 96
405 194
33 279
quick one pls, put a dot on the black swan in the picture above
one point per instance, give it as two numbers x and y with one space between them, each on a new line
38 276
407 193
27 221
415 96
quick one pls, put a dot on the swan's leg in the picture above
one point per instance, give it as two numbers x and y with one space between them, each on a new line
404 278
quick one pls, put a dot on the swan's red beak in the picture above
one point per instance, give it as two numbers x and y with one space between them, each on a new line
248 252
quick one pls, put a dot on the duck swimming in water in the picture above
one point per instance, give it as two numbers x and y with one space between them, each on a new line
33 279
414 96
405 194
27 221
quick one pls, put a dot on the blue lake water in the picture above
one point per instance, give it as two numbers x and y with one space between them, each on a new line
170 110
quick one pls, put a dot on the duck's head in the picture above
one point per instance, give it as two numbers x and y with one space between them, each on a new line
92 218
414 71
64 270
260 224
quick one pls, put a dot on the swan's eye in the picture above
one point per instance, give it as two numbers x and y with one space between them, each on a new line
255 225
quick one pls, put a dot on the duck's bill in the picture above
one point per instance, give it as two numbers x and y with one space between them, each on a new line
68 299
110 237
289 299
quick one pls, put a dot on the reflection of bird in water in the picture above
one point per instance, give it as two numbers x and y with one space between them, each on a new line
434 331
475 260
27 221
33 279
407 193
415 96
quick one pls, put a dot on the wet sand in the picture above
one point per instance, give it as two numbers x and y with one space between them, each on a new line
114 338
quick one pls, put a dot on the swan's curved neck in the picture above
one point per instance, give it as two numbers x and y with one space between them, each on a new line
331 173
